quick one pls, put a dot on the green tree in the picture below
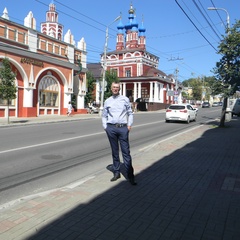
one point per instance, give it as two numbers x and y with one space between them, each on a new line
227 70
196 85
91 86
214 87
8 89
111 76
196 89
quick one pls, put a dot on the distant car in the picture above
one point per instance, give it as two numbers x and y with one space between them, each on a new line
205 105
181 112
220 103
215 104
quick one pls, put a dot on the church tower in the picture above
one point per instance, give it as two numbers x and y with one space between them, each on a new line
120 36
128 27
142 37
51 27
133 37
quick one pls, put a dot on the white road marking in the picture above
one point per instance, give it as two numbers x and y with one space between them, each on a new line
48 143
64 140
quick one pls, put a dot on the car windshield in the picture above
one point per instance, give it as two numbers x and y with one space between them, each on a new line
177 107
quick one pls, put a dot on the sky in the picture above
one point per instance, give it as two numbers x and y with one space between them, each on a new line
184 34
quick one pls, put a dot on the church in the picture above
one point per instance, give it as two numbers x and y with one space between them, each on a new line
137 69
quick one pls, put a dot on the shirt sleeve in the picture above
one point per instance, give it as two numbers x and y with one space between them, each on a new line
104 116
129 113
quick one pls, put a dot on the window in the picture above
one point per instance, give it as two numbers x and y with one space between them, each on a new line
128 73
114 71
144 93
48 92
48 99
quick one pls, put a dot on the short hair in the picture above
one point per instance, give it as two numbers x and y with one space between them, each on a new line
116 83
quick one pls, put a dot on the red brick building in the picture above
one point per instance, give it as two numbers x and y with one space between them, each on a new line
50 72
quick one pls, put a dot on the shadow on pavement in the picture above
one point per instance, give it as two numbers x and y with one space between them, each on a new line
192 193
19 121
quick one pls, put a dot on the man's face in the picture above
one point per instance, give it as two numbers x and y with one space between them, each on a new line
115 89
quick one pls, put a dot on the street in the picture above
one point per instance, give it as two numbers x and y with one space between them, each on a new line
41 157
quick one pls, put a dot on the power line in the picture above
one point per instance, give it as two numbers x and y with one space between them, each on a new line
195 25
219 15
205 18
206 12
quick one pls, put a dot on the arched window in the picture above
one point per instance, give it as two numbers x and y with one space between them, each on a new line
48 92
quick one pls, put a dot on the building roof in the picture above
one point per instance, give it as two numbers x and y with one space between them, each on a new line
154 72
96 69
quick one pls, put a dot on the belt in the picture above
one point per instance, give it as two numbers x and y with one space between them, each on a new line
118 124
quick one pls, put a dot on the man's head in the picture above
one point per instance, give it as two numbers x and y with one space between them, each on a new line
115 88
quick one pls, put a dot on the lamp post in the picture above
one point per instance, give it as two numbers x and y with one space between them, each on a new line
228 18
105 66
227 109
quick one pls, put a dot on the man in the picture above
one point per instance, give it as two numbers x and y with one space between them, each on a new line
117 119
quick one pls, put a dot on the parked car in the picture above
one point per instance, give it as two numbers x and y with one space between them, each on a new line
220 103
215 104
93 109
234 105
205 105
181 112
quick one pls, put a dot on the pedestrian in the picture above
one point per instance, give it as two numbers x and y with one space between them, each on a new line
117 119
69 108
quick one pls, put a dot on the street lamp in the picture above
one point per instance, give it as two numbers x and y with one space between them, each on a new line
228 110
228 18
105 65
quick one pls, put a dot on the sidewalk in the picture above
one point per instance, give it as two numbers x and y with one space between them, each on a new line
13 121
188 188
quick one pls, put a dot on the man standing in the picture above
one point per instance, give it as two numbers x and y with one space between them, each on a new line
117 119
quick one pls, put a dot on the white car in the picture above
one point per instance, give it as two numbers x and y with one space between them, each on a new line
181 112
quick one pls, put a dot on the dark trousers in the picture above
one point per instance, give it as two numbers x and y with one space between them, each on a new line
119 136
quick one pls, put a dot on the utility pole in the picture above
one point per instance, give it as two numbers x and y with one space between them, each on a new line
176 86
176 78
226 111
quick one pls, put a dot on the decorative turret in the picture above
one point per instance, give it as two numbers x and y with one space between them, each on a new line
5 14
30 21
51 27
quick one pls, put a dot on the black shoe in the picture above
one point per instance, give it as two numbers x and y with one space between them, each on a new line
132 181
115 177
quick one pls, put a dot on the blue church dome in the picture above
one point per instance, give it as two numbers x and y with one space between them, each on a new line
142 30
134 24
120 27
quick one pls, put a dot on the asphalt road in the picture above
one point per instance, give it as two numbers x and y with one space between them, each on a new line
41 157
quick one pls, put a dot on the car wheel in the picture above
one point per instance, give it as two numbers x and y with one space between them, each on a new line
188 120
167 121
